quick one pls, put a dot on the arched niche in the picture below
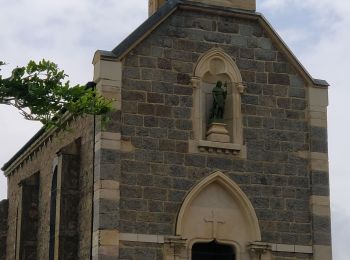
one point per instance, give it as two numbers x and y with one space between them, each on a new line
218 210
213 66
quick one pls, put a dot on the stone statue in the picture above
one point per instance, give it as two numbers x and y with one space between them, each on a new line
219 99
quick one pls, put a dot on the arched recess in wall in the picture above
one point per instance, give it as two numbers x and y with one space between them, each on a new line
218 210
214 66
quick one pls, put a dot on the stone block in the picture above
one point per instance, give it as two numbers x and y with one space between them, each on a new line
182 112
155 98
318 97
219 163
148 62
163 111
134 120
154 193
195 160
322 252
131 73
162 87
110 70
227 27
178 135
145 109
277 78
265 55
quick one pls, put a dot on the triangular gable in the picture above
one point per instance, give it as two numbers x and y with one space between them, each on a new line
170 7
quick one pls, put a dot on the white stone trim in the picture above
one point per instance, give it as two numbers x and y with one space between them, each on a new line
322 252
224 65
236 192
320 205
160 239
108 140
291 248
37 144
143 238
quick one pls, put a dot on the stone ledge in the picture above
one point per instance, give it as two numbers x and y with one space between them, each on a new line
144 238
291 248
159 239
204 146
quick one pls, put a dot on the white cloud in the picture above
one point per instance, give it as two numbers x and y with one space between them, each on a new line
325 55
66 32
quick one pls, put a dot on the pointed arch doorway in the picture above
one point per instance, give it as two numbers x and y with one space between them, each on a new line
217 221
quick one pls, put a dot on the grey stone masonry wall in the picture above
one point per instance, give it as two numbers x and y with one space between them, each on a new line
3 227
42 161
156 117
69 205
29 218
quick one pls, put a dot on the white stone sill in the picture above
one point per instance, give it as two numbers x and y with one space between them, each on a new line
218 145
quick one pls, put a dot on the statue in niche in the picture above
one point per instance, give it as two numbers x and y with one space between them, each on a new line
219 100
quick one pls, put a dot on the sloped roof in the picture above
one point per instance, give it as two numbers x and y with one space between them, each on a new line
172 5
151 24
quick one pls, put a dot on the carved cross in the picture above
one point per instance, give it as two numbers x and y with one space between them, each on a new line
214 220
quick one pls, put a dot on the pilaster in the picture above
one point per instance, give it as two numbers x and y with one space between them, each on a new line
67 202
105 244
3 227
319 201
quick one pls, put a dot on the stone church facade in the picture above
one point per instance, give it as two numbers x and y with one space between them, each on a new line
160 180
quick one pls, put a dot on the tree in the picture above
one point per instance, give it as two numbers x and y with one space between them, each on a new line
39 91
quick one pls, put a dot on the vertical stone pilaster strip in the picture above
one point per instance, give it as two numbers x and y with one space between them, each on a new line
3 228
320 202
105 244
67 235
28 239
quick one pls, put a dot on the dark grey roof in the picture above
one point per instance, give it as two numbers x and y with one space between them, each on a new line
24 148
153 20
167 9
321 82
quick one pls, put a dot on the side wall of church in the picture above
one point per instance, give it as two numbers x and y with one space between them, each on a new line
42 163
3 228
157 103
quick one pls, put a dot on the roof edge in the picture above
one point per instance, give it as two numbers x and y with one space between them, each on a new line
32 145
152 22
167 9
321 83
104 55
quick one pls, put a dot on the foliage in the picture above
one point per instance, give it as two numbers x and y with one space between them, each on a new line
39 91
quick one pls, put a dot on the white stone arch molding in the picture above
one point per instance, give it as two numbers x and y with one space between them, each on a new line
216 64
217 209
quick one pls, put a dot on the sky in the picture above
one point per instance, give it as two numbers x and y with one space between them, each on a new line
69 32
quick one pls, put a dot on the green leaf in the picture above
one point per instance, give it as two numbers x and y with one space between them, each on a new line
41 92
